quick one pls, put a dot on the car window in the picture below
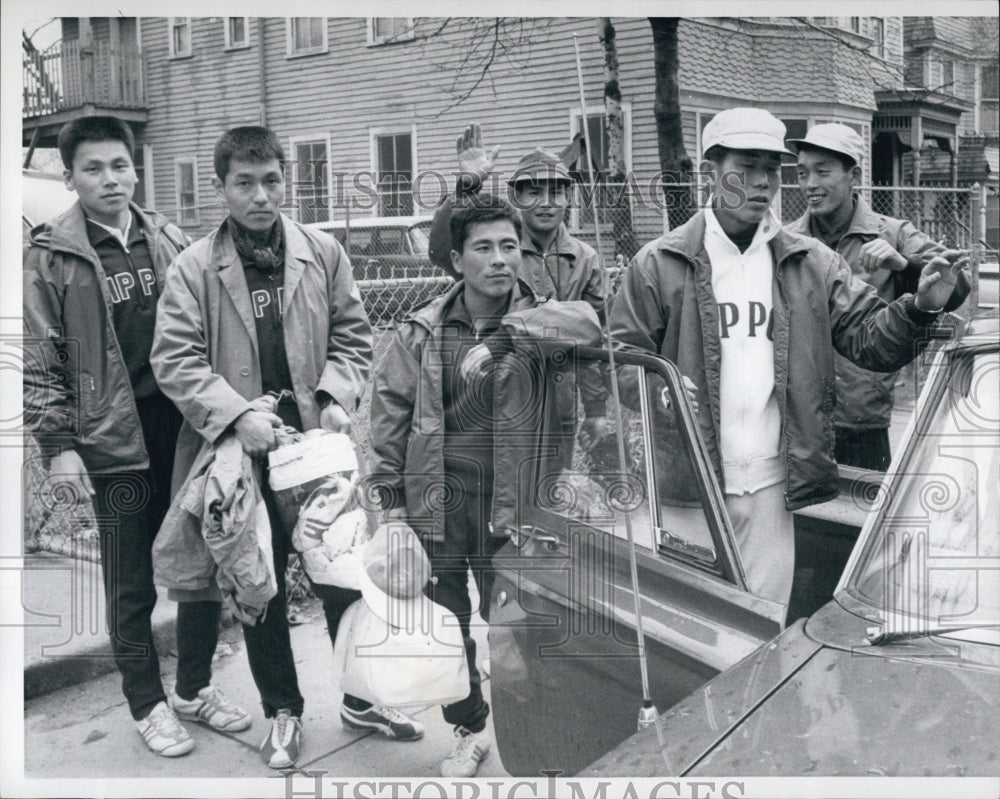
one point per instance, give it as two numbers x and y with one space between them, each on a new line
420 237
663 491
391 241
932 562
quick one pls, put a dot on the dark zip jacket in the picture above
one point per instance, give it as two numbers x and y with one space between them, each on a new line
77 393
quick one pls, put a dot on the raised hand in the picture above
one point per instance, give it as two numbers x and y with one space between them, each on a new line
474 161
938 279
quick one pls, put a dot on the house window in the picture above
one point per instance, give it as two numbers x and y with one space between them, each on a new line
310 187
794 129
394 157
878 35
180 36
582 214
383 30
989 97
237 32
306 35
855 24
186 182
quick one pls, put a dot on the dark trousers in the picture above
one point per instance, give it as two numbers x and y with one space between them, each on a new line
269 643
130 507
865 449
467 545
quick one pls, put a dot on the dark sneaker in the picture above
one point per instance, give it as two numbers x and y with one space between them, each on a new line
471 749
163 733
280 749
211 707
386 720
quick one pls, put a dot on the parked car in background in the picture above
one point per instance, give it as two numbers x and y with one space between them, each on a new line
898 673
384 247
43 196
390 263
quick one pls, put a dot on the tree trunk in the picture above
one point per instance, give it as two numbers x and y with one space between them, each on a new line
617 199
674 161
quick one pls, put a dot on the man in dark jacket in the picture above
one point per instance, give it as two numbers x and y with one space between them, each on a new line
92 279
752 316
886 253
433 424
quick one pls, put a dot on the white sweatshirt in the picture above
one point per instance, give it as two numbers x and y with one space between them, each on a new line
749 415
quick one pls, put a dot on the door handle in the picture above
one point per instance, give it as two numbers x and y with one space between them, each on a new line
529 532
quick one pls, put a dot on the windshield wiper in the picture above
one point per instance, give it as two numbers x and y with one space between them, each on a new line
878 635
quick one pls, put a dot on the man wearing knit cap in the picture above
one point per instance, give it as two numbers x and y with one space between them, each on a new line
752 314
886 253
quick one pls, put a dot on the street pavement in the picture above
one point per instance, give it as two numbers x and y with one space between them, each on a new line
77 724
84 730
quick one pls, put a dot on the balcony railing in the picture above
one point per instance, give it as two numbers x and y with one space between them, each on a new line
68 75
980 140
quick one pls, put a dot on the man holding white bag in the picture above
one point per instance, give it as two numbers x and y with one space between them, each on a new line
265 305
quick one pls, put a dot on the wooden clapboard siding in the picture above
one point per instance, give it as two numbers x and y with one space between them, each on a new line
345 93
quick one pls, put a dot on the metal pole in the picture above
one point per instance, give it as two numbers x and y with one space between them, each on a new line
647 713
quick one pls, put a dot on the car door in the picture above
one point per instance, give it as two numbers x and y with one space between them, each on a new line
565 663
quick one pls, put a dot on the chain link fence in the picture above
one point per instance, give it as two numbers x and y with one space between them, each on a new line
394 276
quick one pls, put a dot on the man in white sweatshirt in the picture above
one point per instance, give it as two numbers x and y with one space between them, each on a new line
752 315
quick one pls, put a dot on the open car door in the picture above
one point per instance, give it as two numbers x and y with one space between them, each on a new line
565 670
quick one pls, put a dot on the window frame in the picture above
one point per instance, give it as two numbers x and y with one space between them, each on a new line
172 24
180 215
291 174
291 52
392 130
574 223
374 40
227 34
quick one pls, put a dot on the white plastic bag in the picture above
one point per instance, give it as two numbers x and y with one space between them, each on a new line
416 663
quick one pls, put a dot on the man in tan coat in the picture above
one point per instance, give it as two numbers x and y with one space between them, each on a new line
264 305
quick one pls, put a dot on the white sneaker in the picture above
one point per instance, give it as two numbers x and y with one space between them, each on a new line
471 749
211 707
280 749
163 733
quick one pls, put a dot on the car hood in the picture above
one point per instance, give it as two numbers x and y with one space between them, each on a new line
801 706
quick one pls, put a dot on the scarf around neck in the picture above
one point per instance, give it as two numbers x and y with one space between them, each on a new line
267 259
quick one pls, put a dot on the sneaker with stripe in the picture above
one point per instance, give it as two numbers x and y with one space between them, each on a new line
280 749
211 707
163 733
387 720
471 749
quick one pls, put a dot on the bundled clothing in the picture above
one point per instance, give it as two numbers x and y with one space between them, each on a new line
216 533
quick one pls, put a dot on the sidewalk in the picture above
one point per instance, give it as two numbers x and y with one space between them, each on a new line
77 724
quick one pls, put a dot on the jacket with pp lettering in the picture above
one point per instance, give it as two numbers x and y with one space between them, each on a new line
666 306
77 393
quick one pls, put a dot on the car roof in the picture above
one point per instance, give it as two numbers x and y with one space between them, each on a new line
363 222
43 196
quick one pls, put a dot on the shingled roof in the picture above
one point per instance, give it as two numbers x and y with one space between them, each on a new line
763 65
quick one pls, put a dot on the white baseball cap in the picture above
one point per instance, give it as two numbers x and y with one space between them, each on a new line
835 137
745 129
